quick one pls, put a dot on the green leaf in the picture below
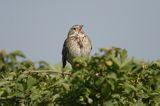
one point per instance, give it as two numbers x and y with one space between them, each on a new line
20 87
30 82
157 62
109 103
123 55
17 53
81 99
129 87
19 94
105 90
3 83
89 100
116 61
55 97
66 86
99 81
1 93
127 64
43 65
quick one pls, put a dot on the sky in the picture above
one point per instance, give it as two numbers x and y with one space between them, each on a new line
39 27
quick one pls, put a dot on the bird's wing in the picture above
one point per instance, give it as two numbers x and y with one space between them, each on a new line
64 53
89 41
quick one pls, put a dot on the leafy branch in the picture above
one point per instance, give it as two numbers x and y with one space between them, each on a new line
107 78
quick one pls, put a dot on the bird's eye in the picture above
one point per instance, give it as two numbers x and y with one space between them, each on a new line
74 28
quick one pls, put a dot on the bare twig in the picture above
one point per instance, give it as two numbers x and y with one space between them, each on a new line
46 71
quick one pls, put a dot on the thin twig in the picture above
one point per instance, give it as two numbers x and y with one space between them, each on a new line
46 71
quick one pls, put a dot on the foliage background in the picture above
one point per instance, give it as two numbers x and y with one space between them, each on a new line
107 78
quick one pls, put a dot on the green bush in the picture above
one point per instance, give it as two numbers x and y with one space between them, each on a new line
105 79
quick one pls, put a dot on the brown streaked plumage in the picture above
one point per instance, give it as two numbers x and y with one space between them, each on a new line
77 44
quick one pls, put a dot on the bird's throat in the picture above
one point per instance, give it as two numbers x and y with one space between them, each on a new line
80 41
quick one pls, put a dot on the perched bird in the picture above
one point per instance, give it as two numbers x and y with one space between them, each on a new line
77 44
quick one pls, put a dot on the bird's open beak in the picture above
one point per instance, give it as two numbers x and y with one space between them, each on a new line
80 28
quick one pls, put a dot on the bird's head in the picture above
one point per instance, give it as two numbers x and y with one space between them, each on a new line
75 30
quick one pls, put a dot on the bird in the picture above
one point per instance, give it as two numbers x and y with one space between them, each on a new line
77 44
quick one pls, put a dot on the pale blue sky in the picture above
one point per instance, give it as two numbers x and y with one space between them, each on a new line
39 27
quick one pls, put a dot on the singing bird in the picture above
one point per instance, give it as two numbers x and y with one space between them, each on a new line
77 44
